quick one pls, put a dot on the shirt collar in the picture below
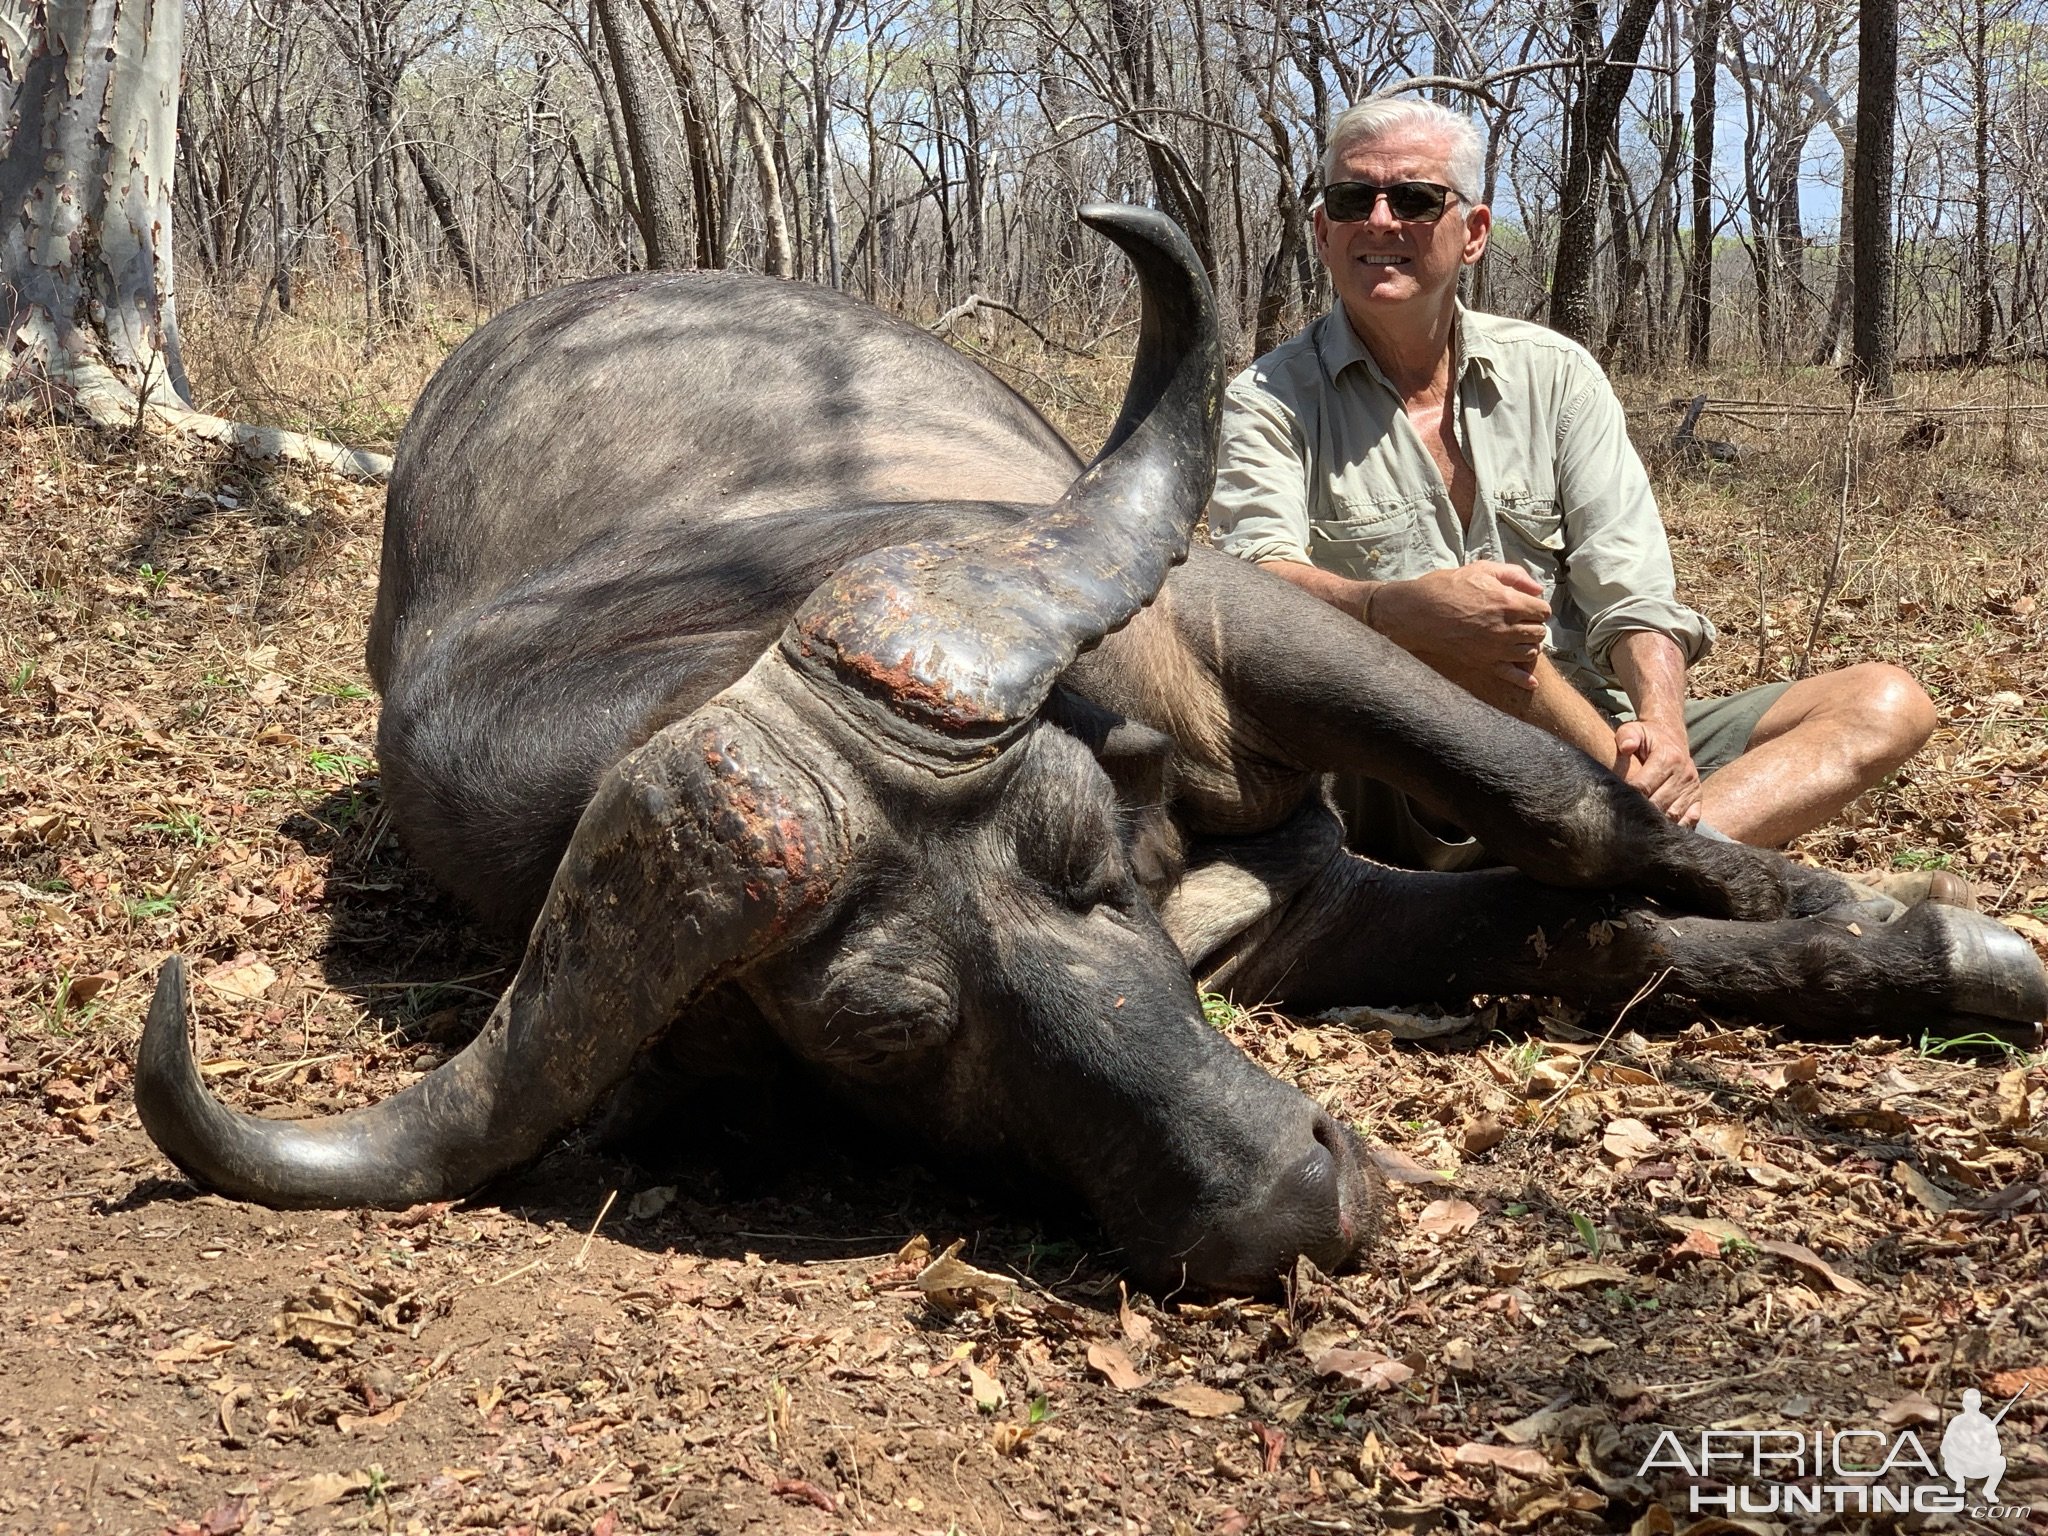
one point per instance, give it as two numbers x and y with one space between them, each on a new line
1341 346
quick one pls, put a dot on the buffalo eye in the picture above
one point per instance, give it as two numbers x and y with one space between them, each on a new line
875 1012
1098 883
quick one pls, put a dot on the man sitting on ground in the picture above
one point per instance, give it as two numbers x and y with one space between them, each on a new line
1464 484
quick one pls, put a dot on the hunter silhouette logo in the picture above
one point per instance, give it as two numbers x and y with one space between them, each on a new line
1846 1471
1969 1445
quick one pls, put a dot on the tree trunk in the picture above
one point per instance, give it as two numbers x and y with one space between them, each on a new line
444 215
697 141
85 198
1181 196
1707 21
380 237
1873 347
777 259
1590 123
657 212
1980 104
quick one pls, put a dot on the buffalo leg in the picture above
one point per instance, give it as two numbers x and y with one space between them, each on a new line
1307 687
1445 938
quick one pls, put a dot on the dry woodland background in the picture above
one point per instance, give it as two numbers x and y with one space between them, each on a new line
1596 1228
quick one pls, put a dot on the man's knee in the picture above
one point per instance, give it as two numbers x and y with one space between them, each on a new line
1873 712
1898 714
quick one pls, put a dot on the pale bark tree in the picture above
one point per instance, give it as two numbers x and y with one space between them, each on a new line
88 103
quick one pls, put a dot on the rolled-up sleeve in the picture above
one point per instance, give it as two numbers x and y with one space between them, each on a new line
1619 567
1260 508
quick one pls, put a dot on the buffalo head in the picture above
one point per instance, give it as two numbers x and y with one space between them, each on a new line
890 837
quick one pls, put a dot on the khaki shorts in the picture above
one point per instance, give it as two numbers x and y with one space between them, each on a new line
1384 824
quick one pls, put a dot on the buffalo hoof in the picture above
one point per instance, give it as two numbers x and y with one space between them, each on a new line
1993 972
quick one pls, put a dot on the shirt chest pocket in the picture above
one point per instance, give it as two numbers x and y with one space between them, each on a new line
1373 541
1532 536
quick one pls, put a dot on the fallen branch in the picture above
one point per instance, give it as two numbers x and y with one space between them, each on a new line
975 302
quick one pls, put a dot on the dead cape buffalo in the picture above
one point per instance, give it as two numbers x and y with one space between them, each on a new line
790 681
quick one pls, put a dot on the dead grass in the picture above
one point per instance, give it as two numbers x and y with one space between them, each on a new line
185 766
321 369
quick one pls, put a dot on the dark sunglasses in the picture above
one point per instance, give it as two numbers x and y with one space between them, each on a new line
1412 202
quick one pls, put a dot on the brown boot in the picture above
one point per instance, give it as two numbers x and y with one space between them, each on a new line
1910 887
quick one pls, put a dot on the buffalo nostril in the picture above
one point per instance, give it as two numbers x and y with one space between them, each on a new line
1318 1205
1316 1202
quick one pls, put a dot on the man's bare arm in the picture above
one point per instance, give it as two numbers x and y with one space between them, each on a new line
1652 751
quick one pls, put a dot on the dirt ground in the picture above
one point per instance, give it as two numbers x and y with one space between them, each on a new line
1599 1230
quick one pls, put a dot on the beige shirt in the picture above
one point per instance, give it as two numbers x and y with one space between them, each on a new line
1321 464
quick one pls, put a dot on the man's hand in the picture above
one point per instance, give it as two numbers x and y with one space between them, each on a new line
1657 761
1484 621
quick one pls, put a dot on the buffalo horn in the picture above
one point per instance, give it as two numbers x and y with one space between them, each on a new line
966 638
700 851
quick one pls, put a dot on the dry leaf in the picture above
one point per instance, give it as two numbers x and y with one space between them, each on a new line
1576 1277
650 1202
952 1282
1366 1369
268 689
2029 1378
1198 1401
1727 1140
85 988
1481 1134
192 1349
1692 1248
1813 1264
1522 1460
243 977
349 1423
1137 1327
1713 1226
1399 1168
1786 1073
1009 1437
798 1490
988 1392
1911 1409
1272 1446
1922 1188
42 827
1629 1140
2030 927
1770 1176
250 907
1442 1216
1114 1367
1554 1424
2011 1096
322 1488
1306 1044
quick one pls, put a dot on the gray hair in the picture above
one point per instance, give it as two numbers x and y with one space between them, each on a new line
1379 117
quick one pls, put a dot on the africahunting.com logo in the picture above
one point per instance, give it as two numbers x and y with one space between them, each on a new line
1849 1471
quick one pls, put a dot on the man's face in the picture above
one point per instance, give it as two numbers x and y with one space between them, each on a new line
1381 266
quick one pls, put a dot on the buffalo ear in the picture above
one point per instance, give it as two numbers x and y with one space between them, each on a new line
1140 763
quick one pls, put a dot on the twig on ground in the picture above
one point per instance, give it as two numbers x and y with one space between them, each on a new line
1586 1061
1830 581
590 1237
